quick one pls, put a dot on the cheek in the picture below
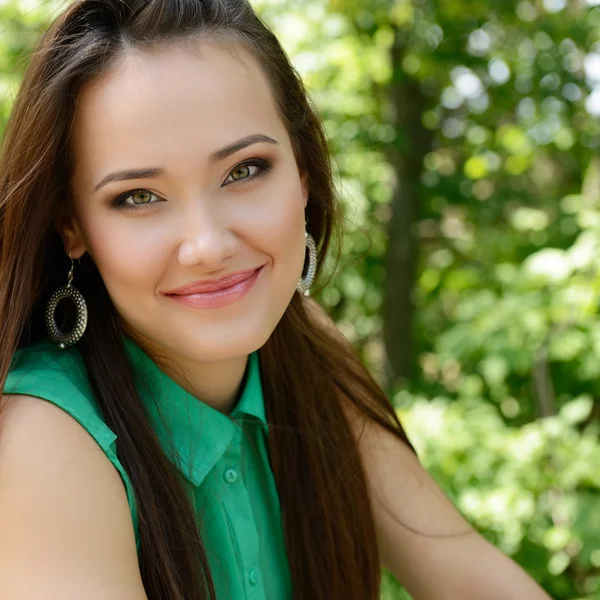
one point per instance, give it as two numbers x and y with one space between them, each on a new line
283 240
126 254
278 226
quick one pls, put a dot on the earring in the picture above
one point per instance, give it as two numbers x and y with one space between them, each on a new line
304 284
62 340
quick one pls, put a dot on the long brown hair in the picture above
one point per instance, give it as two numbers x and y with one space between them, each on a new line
308 370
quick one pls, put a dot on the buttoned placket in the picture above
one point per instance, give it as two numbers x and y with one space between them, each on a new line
208 451
236 502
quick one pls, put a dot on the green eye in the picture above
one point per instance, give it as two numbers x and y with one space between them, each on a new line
136 199
241 172
140 197
248 171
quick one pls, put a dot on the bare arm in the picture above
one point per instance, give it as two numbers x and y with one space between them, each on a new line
65 526
443 557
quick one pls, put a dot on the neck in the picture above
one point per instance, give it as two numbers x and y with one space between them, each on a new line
217 384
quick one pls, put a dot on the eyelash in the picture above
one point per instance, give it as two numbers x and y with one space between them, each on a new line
263 166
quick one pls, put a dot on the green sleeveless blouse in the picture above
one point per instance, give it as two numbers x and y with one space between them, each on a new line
223 458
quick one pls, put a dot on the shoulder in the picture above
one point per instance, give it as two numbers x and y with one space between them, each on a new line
60 377
55 382
66 525
35 432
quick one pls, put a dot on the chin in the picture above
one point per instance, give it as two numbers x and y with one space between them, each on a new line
222 343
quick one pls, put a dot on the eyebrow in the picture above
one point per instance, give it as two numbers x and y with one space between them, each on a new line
217 156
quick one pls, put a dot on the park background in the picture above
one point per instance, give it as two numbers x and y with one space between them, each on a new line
465 136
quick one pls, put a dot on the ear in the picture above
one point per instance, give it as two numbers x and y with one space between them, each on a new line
69 230
304 186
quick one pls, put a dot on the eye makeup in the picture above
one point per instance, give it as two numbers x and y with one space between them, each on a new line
262 166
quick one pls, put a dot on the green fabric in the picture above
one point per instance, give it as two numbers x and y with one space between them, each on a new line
223 458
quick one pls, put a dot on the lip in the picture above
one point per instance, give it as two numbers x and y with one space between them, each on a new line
200 287
217 293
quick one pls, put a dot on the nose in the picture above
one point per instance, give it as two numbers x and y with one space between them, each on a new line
207 243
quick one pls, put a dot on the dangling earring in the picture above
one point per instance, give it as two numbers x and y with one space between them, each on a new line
305 282
62 340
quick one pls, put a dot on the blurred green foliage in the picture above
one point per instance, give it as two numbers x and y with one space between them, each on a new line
503 405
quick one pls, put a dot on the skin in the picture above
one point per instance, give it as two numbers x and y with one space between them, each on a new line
172 109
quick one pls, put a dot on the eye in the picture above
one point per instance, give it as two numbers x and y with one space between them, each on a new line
136 199
248 171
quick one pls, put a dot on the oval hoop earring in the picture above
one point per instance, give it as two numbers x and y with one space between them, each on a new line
63 340
305 282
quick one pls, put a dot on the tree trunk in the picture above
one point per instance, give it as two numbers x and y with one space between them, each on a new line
406 154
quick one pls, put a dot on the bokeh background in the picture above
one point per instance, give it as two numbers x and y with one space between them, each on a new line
465 136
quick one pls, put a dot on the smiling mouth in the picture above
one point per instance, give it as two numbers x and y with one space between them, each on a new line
213 294
199 287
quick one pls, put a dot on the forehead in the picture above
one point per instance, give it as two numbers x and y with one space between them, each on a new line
152 107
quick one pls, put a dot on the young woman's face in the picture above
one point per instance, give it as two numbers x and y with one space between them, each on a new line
185 175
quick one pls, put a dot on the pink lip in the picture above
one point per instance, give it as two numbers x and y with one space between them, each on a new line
214 294
212 286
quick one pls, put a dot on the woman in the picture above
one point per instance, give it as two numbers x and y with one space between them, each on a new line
196 428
